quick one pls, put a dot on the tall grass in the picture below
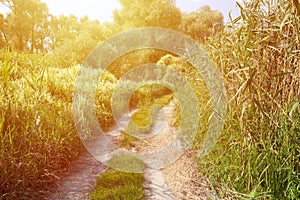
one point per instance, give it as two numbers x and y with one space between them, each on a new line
38 137
185 69
258 155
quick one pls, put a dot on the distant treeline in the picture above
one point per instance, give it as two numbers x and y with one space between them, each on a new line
29 27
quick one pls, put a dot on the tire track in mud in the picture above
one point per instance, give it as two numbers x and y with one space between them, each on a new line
80 180
180 180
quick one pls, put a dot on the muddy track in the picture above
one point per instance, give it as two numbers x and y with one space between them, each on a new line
179 180
80 180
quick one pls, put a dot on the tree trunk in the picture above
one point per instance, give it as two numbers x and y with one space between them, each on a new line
32 39
20 42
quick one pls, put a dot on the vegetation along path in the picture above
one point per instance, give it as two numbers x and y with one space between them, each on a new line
180 180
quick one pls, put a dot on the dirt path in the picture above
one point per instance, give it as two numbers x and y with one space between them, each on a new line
185 182
180 180
78 183
155 186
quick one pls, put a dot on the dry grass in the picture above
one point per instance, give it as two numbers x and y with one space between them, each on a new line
38 137
258 54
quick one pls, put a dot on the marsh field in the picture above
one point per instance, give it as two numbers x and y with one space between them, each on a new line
257 54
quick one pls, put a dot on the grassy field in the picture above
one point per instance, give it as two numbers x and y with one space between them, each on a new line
257 156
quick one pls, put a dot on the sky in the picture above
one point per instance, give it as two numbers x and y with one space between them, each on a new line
103 10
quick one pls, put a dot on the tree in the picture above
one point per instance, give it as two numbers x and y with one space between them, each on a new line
62 28
4 42
38 22
72 39
148 13
25 23
202 23
143 13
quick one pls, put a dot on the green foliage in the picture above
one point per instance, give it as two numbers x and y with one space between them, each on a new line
202 23
25 24
102 94
119 185
126 162
134 59
38 137
106 86
37 134
28 27
151 13
142 120
143 117
147 95
73 39
60 82
258 154
194 78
